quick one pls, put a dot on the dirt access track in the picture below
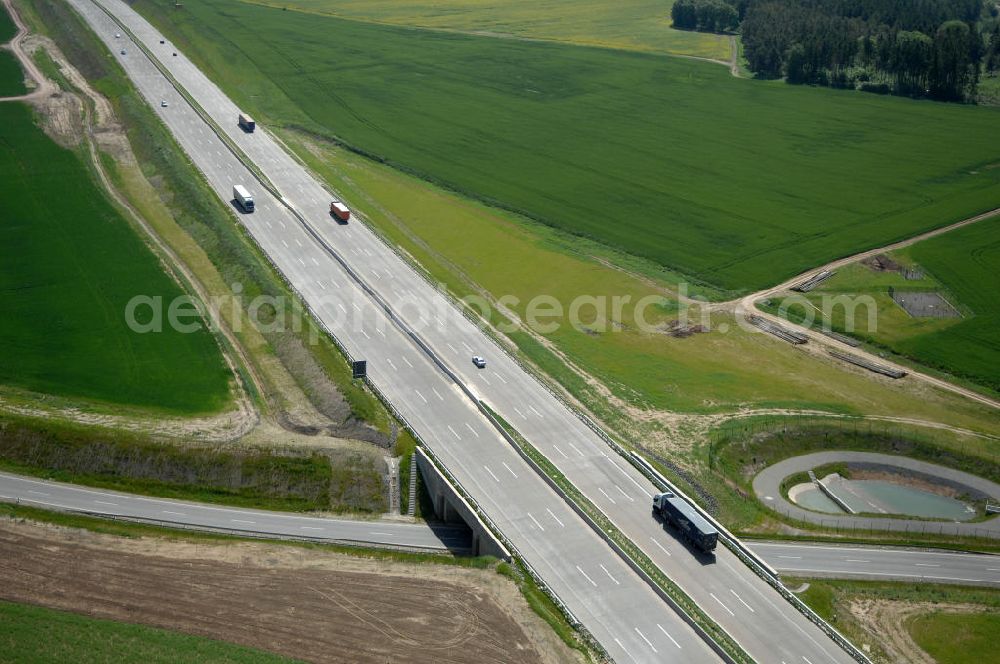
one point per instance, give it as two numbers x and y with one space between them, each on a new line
304 603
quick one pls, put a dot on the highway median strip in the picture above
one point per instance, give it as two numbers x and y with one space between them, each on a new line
716 637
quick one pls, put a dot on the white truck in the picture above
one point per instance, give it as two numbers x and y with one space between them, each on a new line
243 197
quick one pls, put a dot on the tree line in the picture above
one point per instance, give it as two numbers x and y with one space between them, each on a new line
705 15
935 48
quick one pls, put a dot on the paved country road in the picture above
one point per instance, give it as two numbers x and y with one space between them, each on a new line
767 487
880 563
178 513
874 563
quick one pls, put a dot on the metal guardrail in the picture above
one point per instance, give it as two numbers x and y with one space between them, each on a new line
492 527
618 549
757 564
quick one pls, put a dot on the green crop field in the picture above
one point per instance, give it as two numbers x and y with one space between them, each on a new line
966 262
957 638
69 263
11 76
7 27
962 265
734 182
32 634
638 25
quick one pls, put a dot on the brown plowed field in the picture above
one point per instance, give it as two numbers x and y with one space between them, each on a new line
302 603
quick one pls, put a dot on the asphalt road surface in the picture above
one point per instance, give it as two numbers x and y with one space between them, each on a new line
102 502
809 560
767 486
624 614
880 563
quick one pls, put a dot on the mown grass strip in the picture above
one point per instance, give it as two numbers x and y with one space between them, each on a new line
341 480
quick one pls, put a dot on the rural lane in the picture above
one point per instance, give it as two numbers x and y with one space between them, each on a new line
239 521
807 560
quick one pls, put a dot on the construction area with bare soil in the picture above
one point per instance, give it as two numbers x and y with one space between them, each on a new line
318 607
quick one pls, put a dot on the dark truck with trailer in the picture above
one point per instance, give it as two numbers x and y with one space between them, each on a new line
683 516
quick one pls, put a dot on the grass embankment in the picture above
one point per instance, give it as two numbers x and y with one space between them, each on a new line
33 634
955 638
11 75
950 638
70 265
741 449
337 480
634 25
187 215
960 265
804 171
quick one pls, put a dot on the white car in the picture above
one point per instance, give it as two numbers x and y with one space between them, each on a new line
118 35
163 103
479 361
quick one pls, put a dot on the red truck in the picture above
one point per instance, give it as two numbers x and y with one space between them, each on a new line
339 210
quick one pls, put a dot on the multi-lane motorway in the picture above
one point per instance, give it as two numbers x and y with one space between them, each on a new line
807 560
881 563
349 277
623 613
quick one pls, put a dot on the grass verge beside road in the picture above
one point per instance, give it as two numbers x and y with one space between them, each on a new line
339 480
34 634
866 611
957 638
